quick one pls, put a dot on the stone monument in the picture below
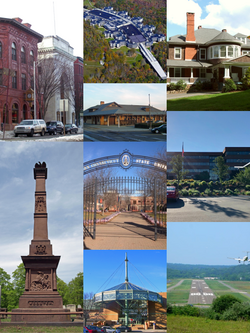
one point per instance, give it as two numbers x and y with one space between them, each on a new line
40 301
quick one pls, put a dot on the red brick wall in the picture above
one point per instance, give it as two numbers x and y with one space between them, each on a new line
190 52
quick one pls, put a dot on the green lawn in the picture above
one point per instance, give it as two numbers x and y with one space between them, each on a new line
216 285
180 294
240 285
236 101
183 324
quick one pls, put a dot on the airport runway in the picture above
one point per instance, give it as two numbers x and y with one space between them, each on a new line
210 209
200 293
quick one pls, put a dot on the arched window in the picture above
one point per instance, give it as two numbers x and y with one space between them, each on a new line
23 55
31 57
14 113
13 50
1 50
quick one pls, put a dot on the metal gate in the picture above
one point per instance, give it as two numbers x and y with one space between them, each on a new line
105 198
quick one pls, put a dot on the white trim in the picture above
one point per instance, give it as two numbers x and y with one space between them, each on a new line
180 48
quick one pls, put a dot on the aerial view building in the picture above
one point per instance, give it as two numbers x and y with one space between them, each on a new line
127 31
207 55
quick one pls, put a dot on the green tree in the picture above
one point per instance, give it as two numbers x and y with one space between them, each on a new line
246 79
75 290
243 176
63 290
6 286
224 302
177 165
221 169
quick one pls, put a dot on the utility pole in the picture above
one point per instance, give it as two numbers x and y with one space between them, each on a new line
150 124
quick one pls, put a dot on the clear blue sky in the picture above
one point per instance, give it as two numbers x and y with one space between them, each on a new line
207 131
216 14
129 93
100 265
208 243
94 150
64 202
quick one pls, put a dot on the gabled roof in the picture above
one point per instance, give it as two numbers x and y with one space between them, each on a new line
120 109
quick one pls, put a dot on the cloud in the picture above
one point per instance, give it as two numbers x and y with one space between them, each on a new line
224 14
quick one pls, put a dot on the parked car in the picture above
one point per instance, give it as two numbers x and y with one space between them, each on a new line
109 329
160 129
124 328
98 329
87 329
172 193
71 128
30 127
54 127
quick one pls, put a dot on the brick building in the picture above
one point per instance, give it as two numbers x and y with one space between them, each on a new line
207 55
18 51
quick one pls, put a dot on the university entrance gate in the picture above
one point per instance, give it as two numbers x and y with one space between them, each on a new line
116 195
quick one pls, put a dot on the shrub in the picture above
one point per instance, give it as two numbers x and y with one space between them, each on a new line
238 311
171 86
229 192
246 79
186 310
184 192
208 191
222 303
198 85
247 193
196 193
247 187
207 85
229 85
180 85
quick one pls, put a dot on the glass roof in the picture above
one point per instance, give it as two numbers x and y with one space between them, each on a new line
126 286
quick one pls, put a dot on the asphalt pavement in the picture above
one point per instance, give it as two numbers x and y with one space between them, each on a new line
200 293
122 133
210 209
127 230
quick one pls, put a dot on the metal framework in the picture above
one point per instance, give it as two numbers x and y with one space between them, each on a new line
112 192
125 160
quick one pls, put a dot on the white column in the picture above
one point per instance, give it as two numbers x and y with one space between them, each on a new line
167 73
226 73
192 73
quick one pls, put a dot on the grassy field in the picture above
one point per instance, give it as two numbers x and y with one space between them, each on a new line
88 4
216 285
173 282
240 285
180 294
40 329
183 324
236 101
90 66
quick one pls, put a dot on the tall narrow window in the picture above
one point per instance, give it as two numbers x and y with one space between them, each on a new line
31 58
14 80
23 56
1 50
1 77
13 50
177 53
223 51
23 81
230 51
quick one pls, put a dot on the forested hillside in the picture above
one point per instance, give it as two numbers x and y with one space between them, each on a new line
231 273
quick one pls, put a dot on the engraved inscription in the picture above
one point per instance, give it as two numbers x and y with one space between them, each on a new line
41 282
40 249
40 204
40 303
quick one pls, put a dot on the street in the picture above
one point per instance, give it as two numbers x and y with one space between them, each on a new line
210 209
9 136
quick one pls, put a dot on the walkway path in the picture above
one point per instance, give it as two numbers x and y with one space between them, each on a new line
126 231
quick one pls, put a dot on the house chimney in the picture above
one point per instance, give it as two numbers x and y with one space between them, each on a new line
224 30
190 28
102 102
18 19
27 25
199 27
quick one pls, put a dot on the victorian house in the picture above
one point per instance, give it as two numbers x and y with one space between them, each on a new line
207 55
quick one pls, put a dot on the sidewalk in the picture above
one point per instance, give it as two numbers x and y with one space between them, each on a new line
187 94
10 134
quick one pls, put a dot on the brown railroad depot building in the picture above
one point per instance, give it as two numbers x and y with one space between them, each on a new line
207 55
18 51
120 114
